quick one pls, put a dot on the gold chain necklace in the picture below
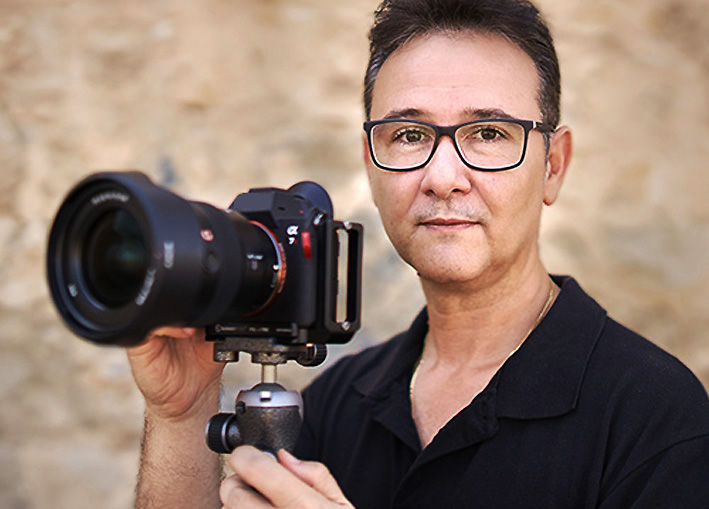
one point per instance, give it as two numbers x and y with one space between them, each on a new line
542 314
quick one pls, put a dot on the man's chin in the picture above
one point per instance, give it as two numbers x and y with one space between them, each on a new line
442 273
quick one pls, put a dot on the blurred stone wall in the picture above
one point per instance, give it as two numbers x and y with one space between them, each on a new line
216 96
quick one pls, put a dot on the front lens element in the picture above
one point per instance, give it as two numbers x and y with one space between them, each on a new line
115 258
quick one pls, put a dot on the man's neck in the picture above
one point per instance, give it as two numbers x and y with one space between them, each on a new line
480 325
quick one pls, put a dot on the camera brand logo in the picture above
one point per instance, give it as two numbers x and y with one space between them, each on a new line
109 196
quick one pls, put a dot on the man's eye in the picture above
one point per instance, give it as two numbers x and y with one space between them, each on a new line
410 136
488 133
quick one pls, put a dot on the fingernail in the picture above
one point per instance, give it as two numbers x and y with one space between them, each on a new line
285 455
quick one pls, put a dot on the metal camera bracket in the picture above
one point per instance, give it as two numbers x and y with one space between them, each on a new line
268 351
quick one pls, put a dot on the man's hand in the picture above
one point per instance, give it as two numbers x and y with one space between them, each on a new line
180 382
175 372
261 481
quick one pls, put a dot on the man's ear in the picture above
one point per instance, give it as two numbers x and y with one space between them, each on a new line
560 149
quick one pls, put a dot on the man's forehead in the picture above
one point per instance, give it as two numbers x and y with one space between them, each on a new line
468 72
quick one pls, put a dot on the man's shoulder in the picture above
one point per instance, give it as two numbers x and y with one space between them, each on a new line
627 356
650 403
649 396
618 356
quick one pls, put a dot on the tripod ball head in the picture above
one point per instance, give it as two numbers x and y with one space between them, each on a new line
267 416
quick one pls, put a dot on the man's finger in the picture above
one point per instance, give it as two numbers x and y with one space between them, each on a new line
271 479
315 475
234 494
173 332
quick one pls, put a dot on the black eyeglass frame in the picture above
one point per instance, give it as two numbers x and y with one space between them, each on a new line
527 125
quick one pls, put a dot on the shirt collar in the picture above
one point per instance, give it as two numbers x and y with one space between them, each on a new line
542 379
399 356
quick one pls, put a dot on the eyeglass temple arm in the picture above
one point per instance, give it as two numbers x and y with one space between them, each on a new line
542 127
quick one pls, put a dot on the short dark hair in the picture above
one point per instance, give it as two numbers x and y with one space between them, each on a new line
398 21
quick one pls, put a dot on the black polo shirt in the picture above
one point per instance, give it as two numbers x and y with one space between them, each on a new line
585 414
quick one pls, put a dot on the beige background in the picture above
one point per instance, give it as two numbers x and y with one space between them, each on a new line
212 97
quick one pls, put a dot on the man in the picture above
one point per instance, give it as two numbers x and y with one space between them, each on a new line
511 389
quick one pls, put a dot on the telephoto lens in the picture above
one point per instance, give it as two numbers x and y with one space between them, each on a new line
125 256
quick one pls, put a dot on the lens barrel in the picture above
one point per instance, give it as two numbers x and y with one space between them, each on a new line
125 256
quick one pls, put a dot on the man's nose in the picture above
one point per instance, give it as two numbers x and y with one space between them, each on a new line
446 174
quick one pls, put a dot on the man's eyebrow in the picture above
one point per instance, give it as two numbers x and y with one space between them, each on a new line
468 113
479 113
405 113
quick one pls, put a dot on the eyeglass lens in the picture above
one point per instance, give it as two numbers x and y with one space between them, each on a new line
488 145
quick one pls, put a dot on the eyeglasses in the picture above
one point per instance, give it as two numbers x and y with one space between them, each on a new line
492 144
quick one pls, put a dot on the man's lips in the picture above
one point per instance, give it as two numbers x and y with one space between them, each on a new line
447 223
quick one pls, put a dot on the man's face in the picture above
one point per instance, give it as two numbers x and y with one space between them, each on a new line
452 223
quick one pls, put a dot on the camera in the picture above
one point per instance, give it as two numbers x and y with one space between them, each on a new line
126 256
274 275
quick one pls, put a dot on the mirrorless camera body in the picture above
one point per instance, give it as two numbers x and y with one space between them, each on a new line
126 256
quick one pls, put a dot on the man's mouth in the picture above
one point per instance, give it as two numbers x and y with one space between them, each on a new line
451 223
